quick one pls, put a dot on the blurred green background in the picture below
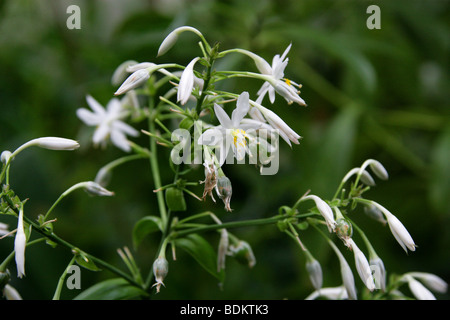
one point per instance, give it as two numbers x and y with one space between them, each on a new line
381 93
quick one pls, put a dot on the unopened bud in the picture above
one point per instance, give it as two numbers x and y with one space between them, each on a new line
136 79
378 169
224 191
315 273
5 156
97 190
175 199
160 270
56 143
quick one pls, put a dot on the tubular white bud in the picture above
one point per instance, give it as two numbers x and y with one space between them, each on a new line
96 189
378 169
55 143
432 281
419 290
136 79
20 243
362 266
315 273
170 40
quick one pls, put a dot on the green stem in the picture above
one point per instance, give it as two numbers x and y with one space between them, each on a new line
58 290
239 224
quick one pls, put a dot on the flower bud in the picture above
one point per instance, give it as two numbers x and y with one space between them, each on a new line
315 273
175 199
224 191
136 79
97 190
20 243
362 266
5 156
378 169
55 143
170 40
11 293
374 213
419 290
379 273
432 281
121 73
160 270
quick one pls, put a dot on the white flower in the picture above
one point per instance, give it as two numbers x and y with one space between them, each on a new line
346 273
379 274
20 243
277 82
231 133
186 82
108 122
160 271
362 266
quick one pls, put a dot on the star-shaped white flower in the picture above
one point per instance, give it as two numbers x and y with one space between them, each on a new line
108 123
277 82
231 133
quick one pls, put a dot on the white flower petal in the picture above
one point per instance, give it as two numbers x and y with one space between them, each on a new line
95 106
88 117
242 108
223 117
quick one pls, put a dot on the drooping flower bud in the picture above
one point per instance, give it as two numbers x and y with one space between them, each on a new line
362 266
378 169
315 273
20 243
97 190
224 191
170 40
160 270
136 79
379 272
5 156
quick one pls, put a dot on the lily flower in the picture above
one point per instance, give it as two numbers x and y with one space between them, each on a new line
108 123
275 82
231 133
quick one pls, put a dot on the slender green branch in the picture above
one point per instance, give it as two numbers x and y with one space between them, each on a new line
238 224
58 290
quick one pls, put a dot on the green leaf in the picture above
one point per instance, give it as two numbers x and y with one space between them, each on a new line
85 262
144 227
202 252
175 199
112 289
